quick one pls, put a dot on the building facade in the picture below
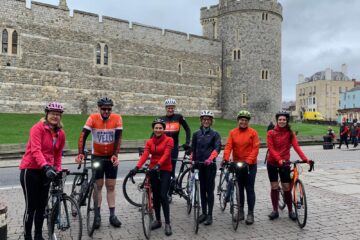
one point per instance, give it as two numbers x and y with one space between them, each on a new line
48 55
321 92
349 109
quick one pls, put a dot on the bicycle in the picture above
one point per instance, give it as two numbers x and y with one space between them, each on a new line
81 190
298 192
61 223
228 189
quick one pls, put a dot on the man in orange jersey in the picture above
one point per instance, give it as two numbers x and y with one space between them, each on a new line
106 129
243 142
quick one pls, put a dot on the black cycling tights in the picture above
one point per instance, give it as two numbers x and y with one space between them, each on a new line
160 188
207 176
247 182
36 189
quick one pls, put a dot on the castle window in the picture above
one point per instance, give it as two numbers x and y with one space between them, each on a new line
210 72
106 55
237 54
234 54
179 68
229 71
98 54
5 41
243 99
264 74
264 16
14 42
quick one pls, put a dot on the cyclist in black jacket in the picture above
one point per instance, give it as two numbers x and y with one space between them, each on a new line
173 121
206 146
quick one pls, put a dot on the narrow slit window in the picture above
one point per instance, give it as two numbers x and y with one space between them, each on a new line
5 41
98 54
14 42
179 68
106 55
234 54
238 53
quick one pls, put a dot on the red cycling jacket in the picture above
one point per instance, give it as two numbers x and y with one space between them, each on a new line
160 150
43 148
279 144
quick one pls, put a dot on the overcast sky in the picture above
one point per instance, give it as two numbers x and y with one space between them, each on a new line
316 33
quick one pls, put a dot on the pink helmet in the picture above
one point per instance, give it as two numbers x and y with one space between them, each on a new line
54 107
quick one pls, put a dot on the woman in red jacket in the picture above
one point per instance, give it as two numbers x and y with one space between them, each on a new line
41 161
279 141
159 146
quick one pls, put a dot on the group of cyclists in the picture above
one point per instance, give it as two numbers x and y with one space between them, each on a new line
42 160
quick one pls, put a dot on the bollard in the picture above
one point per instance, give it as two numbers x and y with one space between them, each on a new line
3 224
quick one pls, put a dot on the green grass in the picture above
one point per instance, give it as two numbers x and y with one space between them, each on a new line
14 128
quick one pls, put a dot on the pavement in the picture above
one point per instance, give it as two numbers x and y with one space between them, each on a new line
333 195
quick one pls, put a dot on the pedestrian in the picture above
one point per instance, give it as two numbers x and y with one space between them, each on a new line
159 146
353 134
344 132
41 161
279 142
243 143
206 146
106 128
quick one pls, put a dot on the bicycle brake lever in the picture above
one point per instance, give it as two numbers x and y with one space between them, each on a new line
132 179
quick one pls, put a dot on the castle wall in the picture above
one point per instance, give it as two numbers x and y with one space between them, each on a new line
57 61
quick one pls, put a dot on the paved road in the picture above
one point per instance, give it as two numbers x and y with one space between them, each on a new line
333 192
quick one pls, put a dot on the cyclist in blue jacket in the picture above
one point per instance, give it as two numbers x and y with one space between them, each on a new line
206 146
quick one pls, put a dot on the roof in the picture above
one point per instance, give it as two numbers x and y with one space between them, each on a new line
339 76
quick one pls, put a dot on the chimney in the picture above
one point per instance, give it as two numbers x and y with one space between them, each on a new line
301 78
328 74
63 5
344 69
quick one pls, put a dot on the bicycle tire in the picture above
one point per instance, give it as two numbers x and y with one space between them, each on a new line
91 209
189 200
61 220
235 205
129 189
77 191
146 214
196 206
184 187
222 191
281 202
300 203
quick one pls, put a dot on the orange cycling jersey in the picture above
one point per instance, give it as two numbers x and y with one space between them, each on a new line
103 133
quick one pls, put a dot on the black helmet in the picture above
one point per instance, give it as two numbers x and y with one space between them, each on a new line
105 101
283 113
158 120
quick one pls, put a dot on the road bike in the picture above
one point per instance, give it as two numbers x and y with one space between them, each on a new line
62 223
147 212
85 192
298 192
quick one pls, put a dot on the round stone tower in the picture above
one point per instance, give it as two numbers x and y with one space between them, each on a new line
250 32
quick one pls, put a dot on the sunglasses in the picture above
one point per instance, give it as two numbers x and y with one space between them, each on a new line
106 109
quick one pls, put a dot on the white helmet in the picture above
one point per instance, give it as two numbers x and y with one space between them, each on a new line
170 102
206 113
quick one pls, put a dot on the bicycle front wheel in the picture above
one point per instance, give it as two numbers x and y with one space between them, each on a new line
131 188
146 213
281 201
91 209
196 206
63 224
221 190
235 205
300 204
184 183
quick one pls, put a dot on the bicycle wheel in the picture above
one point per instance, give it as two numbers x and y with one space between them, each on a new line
281 201
300 204
146 214
184 186
196 206
189 186
235 205
77 191
63 225
221 190
91 208
131 188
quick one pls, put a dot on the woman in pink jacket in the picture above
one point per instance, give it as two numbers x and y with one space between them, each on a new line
41 161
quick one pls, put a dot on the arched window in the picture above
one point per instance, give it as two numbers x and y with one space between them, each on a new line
238 52
14 42
5 41
264 75
234 54
106 55
98 54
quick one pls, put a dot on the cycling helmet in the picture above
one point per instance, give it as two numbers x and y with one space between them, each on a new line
282 113
206 113
244 114
170 102
54 107
105 101
158 120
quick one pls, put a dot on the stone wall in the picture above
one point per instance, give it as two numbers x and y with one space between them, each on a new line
56 60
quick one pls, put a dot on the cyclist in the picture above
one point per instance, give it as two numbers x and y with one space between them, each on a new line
41 161
206 146
243 142
279 141
159 146
173 121
106 128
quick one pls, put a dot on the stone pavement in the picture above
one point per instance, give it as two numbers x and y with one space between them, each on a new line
333 194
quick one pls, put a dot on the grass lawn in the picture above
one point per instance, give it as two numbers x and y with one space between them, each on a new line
14 128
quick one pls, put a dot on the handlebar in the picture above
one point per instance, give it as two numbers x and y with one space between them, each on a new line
311 163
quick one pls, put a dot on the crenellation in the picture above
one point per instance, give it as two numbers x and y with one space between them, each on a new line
114 20
43 5
147 27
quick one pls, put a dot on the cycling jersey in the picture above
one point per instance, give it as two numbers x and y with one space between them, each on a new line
103 134
172 129
204 143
